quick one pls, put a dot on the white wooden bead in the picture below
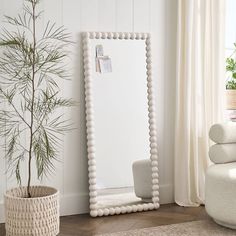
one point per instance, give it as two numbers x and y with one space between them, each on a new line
154 169
150 90
152 133
92 175
93 200
87 67
94 213
91 162
123 210
133 36
135 208
89 112
104 35
145 207
148 60
153 145
91 149
112 211
89 98
110 35
92 181
155 187
93 193
106 211
153 151
151 115
121 36
153 139
127 35
155 199
155 181
154 175
93 206
155 193
143 36
129 209
92 35
92 168
91 156
91 144
116 35
151 104
150 96
100 212
117 210
140 207
89 117
150 206
154 163
98 35
154 157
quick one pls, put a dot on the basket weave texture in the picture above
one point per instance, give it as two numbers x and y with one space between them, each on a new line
35 216
231 99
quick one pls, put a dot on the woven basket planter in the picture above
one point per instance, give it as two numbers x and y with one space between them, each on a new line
231 99
36 216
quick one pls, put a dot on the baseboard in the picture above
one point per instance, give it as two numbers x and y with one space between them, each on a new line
2 212
166 193
72 204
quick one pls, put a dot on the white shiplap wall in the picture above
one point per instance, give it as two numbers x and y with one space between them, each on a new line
155 16
230 30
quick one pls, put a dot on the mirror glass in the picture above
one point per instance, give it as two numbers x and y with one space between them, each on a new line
118 74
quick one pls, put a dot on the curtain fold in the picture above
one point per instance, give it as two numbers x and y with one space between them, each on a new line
200 89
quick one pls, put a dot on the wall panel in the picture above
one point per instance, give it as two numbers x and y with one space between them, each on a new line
142 15
124 15
106 15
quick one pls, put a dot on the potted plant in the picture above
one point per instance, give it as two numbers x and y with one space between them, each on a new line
231 81
31 64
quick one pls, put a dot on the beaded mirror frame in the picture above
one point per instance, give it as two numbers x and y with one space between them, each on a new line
94 209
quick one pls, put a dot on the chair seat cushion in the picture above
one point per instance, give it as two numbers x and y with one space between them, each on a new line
220 201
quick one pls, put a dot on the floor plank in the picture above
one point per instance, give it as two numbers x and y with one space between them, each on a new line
84 225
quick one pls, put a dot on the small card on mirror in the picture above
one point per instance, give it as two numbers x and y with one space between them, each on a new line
99 50
105 64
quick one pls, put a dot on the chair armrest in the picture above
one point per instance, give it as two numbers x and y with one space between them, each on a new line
223 153
223 133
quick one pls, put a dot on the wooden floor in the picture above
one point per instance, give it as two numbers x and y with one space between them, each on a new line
84 225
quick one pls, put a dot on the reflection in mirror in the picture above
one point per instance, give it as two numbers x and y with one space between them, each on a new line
120 127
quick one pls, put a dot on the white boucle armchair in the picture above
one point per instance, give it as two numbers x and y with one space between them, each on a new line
220 197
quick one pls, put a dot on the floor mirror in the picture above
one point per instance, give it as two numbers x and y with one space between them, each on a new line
120 120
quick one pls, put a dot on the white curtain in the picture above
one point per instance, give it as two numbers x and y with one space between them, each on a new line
200 92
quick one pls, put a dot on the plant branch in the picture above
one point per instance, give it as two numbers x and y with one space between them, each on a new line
33 97
14 107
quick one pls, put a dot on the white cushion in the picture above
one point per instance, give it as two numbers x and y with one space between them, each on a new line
223 153
220 199
142 173
223 133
